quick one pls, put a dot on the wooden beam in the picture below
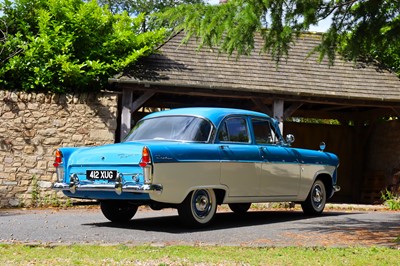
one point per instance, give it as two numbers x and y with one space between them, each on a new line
240 93
141 100
260 105
126 112
396 111
291 109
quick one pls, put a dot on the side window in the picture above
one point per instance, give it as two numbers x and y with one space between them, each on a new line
263 132
234 130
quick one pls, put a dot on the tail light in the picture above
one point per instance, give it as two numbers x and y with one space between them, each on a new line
145 157
58 159
145 163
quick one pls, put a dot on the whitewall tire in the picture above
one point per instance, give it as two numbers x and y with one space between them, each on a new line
198 209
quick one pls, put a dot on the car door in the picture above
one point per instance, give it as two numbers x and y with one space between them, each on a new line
240 160
280 171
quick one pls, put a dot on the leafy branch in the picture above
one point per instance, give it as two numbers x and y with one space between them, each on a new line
3 41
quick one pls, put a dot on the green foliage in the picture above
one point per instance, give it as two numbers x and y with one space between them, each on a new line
35 192
313 120
370 32
145 7
69 45
366 30
391 200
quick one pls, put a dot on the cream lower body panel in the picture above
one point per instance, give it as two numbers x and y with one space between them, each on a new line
179 179
309 174
280 180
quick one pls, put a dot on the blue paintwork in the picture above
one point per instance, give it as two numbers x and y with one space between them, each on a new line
125 157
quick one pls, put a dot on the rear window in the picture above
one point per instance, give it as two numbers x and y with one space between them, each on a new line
179 128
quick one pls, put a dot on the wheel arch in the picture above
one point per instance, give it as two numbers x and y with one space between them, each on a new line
220 192
220 195
327 180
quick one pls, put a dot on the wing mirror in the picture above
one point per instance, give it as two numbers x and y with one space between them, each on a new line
289 139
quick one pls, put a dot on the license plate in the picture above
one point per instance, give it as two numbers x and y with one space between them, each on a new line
101 174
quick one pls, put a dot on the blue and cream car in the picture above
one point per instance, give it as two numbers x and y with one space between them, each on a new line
194 159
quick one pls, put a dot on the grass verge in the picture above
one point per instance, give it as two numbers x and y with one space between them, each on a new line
18 254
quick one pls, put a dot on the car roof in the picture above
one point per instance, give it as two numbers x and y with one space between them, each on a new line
214 114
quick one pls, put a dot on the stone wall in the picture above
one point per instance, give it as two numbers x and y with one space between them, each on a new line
33 125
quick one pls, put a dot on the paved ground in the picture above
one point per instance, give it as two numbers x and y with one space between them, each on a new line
343 227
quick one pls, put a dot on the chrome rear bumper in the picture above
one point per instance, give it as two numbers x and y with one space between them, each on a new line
73 187
118 186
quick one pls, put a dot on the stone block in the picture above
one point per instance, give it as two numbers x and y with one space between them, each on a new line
29 133
8 115
44 184
25 183
42 164
10 169
77 138
58 123
83 130
29 149
43 120
52 141
8 160
10 183
14 202
29 163
37 114
100 135
33 106
36 171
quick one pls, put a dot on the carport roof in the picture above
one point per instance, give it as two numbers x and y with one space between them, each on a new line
301 75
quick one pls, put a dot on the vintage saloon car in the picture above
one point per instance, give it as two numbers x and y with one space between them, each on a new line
194 159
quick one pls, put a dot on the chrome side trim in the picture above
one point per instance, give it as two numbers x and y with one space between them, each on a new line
153 188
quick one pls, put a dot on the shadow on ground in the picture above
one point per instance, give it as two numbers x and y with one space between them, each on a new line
224 220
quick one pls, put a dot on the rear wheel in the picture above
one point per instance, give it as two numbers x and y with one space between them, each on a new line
316 199
239 208
198 209
118 211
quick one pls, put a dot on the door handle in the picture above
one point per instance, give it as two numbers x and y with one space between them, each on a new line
223 147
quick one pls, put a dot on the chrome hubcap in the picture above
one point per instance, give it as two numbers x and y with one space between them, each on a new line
318 196
201 203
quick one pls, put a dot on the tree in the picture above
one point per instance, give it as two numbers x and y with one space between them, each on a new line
367 30
69 45
146 7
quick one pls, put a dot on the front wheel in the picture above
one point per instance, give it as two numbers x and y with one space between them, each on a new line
118 211
316 199
198 209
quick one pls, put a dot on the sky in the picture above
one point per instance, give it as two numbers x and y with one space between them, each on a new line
321 27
